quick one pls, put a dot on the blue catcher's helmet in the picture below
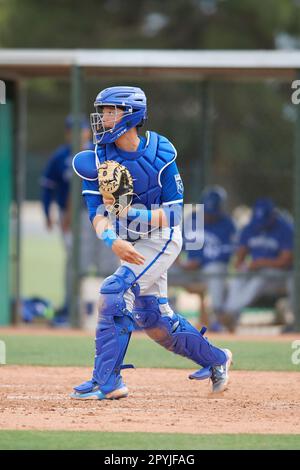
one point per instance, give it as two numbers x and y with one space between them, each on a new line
214 199
131 100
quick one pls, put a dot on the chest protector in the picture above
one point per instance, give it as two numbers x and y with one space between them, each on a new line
145 166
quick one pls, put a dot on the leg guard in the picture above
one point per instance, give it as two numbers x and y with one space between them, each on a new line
175 333
113 330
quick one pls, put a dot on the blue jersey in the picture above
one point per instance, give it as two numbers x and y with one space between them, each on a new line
219 238
171 187
269 242
57 177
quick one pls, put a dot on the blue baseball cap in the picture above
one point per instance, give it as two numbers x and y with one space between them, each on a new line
263 210
213 199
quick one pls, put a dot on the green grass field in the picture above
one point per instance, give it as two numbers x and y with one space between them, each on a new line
40 440
79 350
42 266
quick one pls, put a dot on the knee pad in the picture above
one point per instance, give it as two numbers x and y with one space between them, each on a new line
114 328
146 311
112 292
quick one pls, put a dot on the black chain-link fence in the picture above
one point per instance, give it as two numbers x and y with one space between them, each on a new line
238 134
242 140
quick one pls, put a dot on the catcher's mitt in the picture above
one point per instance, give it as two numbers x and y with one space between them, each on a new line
116 184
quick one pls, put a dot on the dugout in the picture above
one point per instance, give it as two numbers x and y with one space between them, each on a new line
78 66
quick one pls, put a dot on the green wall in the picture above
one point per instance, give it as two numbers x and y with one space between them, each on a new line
5 201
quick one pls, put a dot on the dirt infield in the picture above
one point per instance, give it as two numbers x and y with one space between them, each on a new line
159 401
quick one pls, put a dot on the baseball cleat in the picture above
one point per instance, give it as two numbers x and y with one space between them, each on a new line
201 374
220 374
96 394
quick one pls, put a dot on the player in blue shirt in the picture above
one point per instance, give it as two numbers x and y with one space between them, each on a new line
146 236
55 188
214 256
265 250
57 175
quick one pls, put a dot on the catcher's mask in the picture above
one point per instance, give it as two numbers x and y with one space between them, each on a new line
128 107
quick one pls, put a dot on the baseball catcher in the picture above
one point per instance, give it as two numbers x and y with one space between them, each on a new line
134 196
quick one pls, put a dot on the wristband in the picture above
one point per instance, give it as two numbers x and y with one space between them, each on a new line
108 237
143 215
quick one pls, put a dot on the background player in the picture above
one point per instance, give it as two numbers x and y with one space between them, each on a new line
138 289
265 251
213 258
